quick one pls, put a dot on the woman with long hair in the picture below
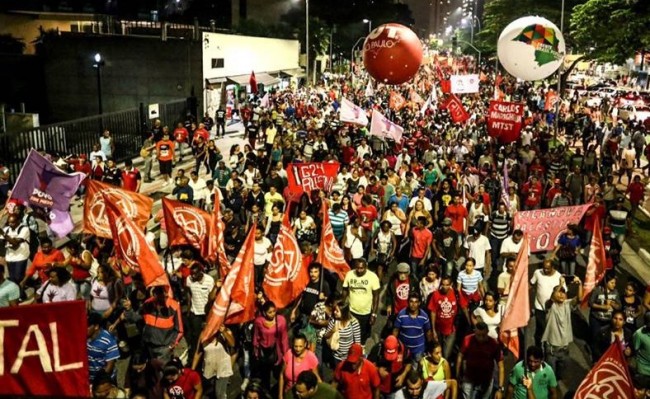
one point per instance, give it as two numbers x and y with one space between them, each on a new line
296 360
270 343
342 331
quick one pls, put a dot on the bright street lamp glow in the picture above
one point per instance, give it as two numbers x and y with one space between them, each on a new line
366 20
98 58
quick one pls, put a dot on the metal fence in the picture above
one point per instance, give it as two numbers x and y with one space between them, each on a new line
78 136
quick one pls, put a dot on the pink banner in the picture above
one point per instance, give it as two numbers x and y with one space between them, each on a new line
545 225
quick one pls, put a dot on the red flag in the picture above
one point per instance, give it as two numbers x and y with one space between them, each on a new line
253 83
609 378
396 101
235 301
136 207
216 241
132 248
456 109
597 263
445 86
44 350
330 254
186 225
285 278
309 176
551 100
517 311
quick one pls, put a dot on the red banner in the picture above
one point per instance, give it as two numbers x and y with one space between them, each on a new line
456 109
186 225
609 378
136 207
330 254
544 226
309 176
504 118
44 350
285 278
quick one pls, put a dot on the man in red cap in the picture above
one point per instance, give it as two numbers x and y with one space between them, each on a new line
393 363
356 377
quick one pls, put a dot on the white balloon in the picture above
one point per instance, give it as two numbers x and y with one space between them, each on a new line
531 48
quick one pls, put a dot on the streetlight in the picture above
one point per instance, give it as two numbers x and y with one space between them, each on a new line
369 22
307 41
99 63
559 83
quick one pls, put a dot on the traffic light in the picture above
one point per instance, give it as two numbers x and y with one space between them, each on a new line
454 42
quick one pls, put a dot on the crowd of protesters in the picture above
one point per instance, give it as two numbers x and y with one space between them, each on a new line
426 227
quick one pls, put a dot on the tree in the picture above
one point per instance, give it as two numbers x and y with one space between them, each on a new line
499 13
612 30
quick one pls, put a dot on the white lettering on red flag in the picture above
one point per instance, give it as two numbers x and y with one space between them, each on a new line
544 226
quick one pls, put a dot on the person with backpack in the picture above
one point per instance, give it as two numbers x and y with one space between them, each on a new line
16 238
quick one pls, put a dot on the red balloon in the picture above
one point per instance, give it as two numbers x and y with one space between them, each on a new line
392 54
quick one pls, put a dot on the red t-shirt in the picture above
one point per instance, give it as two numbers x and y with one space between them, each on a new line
165 150
445 308
183 387
636 192
367 214
421 241
348 155
533 193
130 179
599 213
479 358
357 384
180 135
202 133
457 214
401 299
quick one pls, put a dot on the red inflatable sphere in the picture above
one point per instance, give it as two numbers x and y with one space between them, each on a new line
392 54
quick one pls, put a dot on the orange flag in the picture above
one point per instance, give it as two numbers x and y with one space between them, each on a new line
285 278
597 263
134 206
330 254
186 225
609 378
517 311
132 248
551 100
235 302
216 242
396 101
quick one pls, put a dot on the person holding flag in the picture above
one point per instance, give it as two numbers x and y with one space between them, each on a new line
532 378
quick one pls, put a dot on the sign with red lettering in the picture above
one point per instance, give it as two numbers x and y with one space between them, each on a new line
544 226
43 350
456 109
311 176
504 120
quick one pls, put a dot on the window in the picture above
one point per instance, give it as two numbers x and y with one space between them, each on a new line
217 63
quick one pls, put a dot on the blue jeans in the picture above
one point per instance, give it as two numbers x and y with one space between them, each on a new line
17 270
470 390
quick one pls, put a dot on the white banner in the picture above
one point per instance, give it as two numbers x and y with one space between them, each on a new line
384 128
352 113
464 84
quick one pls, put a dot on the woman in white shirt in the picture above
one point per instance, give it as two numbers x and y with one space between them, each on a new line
217 361
490 313
59 287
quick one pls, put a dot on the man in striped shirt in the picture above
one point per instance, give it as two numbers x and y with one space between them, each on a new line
413 328
500 222
339 219
102 348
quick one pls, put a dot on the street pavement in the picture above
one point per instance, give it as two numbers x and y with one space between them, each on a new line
579 363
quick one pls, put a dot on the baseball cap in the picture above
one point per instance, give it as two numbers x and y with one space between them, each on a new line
446 222
355 353
403 268
390 348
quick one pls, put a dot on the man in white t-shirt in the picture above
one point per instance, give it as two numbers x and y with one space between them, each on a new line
527 136
15 237
199 288
262 250
421 197
478 247
362 287
544 280
417 388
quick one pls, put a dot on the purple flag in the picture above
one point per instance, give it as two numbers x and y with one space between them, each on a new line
506 183
41 184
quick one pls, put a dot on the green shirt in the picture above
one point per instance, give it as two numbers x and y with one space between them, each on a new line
323 391
543 380
641 342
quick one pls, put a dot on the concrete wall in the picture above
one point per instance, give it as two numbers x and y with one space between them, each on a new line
137 70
